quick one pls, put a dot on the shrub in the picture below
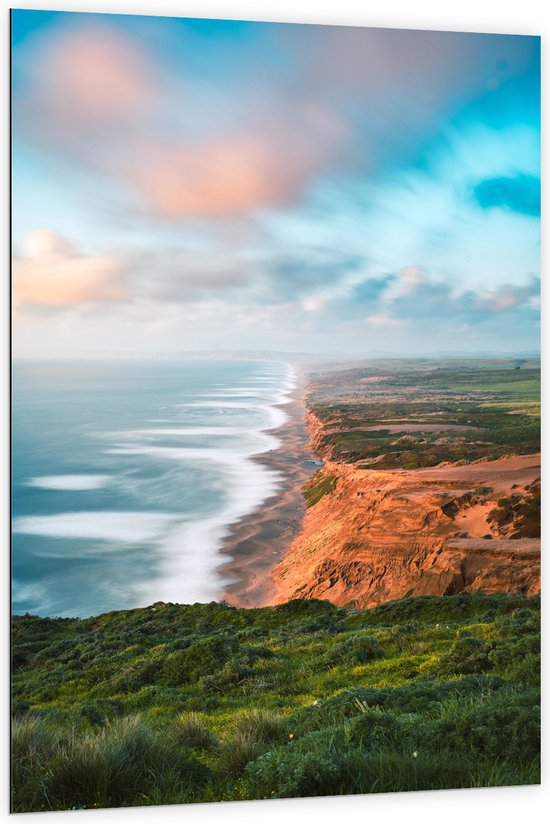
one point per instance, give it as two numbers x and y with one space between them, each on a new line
467 655
426 608
298 616
19 708
505 725
98 711
289 774
234 673
417 697
133 677
518 658
373 729
357 649
202 658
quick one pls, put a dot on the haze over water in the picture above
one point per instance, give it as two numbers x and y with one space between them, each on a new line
127 476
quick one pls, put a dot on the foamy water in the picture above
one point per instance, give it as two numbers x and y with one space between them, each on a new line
128 478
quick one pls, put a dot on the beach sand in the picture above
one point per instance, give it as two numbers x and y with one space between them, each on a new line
259 541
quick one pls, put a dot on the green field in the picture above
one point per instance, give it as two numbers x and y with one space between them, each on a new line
496 401
171 703
527 389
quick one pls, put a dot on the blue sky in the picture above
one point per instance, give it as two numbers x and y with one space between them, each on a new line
187 184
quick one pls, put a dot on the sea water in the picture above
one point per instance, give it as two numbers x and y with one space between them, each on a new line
127 477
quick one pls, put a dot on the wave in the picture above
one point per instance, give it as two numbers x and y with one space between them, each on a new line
189 554
72 483
127 527
175 498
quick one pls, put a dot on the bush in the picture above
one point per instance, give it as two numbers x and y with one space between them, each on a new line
505 725
299 617
357 649
138 674
468 655
202 658
373 729
290 774
101 710
501 726
234 673
417 697
518 658
426 608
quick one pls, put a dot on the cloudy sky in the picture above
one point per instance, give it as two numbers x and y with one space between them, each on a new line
192 184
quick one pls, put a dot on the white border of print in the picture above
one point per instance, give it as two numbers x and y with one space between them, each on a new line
502 805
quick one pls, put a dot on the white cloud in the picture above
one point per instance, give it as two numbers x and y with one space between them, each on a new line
53 273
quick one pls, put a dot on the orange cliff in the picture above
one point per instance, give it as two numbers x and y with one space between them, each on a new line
381 535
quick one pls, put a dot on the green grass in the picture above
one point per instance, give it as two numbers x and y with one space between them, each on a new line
477 395
206 702
526 388
318 486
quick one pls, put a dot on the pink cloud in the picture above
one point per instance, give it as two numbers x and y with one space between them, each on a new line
114 104
383 319
508 297
53 273
234 173
91 75
96 96
216 177
411 278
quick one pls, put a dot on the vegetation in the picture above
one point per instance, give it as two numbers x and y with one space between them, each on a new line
519 516
375 415
205 702
317 487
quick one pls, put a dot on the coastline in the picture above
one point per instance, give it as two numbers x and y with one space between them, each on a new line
259 541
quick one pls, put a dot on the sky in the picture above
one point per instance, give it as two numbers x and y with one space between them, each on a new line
185 184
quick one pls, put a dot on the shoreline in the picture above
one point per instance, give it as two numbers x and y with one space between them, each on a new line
260 540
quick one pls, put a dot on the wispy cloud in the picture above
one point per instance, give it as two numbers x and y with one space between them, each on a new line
295 184
107 98
416 295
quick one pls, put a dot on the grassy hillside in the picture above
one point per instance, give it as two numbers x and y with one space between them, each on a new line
174 703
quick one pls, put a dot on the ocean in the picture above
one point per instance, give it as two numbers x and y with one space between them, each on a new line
127 476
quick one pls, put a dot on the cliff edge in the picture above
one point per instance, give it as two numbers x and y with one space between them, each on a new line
377 534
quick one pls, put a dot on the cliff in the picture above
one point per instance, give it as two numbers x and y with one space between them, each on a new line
377 536
430 486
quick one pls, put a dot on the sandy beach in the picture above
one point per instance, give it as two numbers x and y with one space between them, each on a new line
259 541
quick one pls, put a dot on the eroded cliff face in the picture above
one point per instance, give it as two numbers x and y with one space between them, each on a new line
381 535
316 431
